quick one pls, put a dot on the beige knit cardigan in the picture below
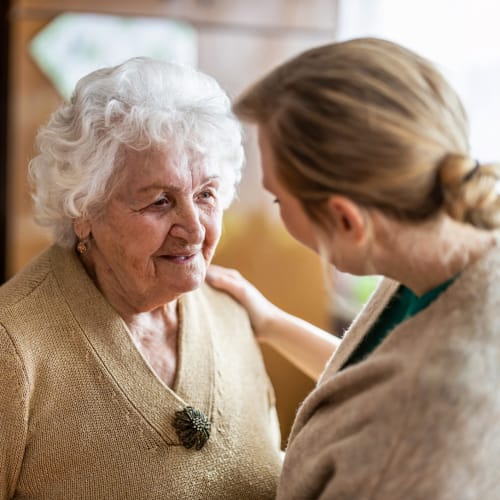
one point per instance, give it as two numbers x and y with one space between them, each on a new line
83 416
419 419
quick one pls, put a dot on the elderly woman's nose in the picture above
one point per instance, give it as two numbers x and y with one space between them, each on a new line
187 224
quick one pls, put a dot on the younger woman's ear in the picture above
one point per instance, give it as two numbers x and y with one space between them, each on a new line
348 217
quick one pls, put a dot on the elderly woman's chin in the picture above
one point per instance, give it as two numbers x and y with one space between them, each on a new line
181 275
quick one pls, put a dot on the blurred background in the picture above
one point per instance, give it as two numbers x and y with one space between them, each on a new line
47 45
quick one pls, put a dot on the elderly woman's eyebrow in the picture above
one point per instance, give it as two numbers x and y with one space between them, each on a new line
175 189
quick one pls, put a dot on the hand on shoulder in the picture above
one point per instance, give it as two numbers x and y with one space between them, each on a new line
260 310
302 343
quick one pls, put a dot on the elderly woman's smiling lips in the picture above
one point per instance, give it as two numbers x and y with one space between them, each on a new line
182 256
181 259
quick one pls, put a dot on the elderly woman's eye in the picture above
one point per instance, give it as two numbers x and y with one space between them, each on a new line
161 202
206 195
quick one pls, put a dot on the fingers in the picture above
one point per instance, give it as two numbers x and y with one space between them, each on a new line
228 280
232 282
215 270
218 274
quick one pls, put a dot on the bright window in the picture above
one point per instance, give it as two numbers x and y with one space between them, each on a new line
75 44
459 36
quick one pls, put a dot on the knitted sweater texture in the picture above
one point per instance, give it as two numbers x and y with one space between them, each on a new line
419 418
83 416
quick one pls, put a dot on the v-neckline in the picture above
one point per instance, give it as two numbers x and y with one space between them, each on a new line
121 360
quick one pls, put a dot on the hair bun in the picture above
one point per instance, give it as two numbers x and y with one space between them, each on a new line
456 169
470 190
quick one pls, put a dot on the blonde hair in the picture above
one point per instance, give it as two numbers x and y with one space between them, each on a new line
373 121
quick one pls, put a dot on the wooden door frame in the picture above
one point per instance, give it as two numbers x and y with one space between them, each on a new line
4 121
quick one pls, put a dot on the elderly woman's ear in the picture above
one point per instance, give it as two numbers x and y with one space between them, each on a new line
82 230
81 227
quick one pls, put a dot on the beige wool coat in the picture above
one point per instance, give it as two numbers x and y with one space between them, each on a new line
419 418
83 416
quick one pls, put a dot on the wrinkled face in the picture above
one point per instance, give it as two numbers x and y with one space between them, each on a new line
158 233
292 213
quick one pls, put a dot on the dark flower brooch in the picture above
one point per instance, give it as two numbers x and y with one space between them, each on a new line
192 427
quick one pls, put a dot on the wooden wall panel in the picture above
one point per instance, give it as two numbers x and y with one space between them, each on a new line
33 99
305 15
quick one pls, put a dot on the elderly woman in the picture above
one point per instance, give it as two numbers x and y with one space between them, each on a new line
122 374
364 145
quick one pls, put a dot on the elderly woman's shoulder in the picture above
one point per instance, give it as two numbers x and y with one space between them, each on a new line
223 303
26 281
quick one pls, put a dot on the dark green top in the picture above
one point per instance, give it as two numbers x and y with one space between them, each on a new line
403 305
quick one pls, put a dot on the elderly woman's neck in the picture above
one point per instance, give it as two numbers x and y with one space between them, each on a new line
424 255
162 320
134 313
164 316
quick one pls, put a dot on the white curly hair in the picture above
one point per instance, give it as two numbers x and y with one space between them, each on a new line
140 104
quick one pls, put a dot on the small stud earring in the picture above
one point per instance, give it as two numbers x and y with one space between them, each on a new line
82 246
